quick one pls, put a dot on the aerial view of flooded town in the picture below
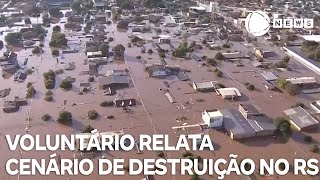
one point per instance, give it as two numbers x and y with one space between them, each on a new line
161 67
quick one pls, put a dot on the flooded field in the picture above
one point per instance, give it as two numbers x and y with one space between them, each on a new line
154 114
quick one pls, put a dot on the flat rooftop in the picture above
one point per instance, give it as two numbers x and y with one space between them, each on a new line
301 117
205 84
249 108
229 92
213 113
234 122
303 80
269 76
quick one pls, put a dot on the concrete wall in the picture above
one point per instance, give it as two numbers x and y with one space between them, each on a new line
303 61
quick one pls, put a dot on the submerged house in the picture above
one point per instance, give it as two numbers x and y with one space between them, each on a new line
113 82
246 122
161 71
8 62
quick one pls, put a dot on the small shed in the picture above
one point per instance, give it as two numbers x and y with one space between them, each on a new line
213 118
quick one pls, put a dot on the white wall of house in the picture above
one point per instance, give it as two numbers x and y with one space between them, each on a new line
212 121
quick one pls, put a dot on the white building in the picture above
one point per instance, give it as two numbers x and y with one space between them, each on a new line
228 93
213 118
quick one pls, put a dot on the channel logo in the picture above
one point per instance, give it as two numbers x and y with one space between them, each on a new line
258 23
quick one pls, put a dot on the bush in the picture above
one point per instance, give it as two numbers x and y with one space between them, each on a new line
49 93
110 39
49 84
93 114
143 51
55 52
219 56
31 92
160 154
138 57
87 129
91 79
219 73
48 98
150 51
187 154
29 84
66 85
129 45
106 103
110 117
211 61
314 148
195 176
249 86
286 59
36 50
46 117
65 117
308 139
56 28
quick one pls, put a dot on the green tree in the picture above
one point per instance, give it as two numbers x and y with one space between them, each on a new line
76 6
46 117
292 89
104 47
66 85
283 126
119 50
58 39
14 38
31 92
219 56
56 28
282 82
87 129
1 44
93 114
286 59
49 79
55 52
65 117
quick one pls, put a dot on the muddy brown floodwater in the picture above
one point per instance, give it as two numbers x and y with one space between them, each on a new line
153 114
